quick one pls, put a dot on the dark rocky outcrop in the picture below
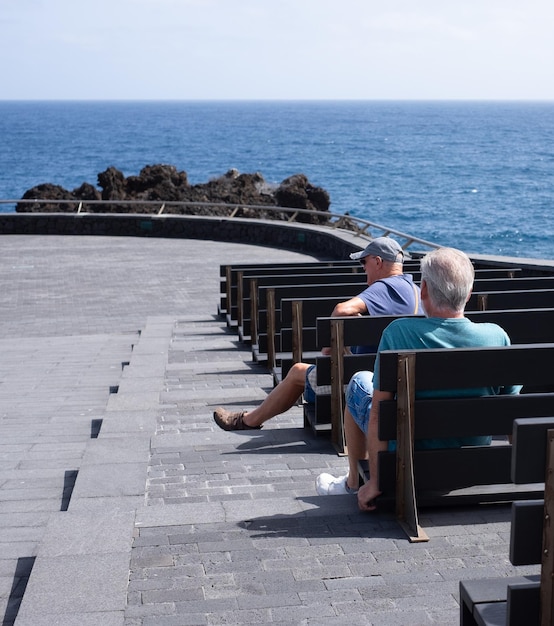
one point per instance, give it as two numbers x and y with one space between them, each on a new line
164 184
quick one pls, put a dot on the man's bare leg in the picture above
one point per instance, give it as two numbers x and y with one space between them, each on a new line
357 448
281 398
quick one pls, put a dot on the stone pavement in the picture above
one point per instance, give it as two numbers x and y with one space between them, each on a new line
121 503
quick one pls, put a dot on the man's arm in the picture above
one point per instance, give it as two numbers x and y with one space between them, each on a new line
368 492
352 307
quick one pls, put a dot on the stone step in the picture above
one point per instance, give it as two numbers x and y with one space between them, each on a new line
80 574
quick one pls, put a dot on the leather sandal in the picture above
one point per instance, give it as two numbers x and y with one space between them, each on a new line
231 421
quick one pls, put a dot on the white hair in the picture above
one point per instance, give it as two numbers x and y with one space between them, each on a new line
449 275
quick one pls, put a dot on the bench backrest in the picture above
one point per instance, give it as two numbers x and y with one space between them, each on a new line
463 368
485 285
480 285
512 299
313 307
528 365
518 600
226 269
529 445
265 320
523 326
531 531
297 331
230 274
404 373
265 317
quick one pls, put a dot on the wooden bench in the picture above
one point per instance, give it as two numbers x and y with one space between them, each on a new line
522 325
525 599
472 474
248 282
253 297
229 273
230 276
264 322
296 340
248 307
511 299
253 279
265 312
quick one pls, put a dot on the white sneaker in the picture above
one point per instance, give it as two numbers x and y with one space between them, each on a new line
327 485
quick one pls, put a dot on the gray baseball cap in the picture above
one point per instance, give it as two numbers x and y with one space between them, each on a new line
385 247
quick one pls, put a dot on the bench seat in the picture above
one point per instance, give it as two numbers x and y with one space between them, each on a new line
484 601
530 599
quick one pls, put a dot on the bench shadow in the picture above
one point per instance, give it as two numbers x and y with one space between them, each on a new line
253 367
70 476
281 440
335 518
20 579
338 518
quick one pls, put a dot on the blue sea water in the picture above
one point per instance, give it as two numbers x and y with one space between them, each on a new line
475 175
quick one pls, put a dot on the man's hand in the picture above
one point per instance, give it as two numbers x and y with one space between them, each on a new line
327 351
366 496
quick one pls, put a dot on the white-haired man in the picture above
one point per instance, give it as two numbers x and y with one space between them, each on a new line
447 277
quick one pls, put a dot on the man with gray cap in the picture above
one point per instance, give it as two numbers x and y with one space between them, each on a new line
389 292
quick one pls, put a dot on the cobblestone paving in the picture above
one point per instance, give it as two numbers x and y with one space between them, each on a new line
283 555
172 521
71 311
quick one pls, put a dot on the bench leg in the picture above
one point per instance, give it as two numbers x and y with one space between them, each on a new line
406 503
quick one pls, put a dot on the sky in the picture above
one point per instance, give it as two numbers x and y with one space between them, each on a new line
276 50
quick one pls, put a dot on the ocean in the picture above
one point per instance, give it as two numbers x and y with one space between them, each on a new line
475 175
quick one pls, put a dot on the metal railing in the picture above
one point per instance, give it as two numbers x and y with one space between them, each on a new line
365 229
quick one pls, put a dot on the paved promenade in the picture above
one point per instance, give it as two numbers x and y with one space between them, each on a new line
122 504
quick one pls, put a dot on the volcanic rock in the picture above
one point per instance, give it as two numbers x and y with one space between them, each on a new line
163 184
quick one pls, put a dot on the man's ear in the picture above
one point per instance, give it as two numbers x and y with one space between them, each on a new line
423 289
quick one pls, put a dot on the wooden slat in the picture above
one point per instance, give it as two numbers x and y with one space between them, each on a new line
337 396
527 364
451 468
529 458
478 416
297 341
523 604
526 532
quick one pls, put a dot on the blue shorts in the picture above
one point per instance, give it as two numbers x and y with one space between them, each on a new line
358 396
311 387
309 393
